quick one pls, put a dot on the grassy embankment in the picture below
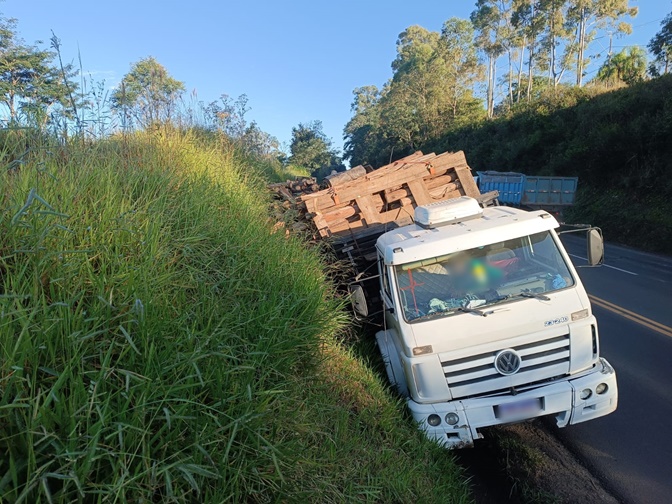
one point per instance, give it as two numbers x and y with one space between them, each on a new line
618 143
160 343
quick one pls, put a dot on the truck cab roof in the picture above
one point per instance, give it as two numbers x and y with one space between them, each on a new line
495 224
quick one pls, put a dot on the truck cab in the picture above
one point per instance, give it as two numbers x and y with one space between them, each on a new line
487 322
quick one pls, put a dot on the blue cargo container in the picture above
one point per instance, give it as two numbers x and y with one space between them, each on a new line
509 184
517 189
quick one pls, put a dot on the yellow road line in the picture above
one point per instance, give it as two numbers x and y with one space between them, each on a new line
630 315
620 308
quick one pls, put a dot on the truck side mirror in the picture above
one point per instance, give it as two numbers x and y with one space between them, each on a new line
595 252
358 300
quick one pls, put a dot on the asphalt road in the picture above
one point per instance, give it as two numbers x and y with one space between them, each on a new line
631 449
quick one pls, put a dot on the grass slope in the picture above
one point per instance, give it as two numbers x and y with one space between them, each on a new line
160 343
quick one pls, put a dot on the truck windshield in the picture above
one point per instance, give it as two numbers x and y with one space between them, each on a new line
469 280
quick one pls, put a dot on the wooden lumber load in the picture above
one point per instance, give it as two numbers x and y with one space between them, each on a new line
367 201
292 189
346 176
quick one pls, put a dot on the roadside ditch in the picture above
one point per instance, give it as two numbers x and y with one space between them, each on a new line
526 463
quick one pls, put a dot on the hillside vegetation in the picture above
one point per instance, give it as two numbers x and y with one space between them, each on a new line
520 86
618 143
161 344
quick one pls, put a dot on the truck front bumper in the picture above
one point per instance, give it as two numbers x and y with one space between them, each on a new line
572 400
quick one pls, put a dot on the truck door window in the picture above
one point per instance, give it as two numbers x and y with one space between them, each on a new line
499 272
384 278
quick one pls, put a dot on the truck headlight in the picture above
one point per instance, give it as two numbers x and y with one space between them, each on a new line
585 394
601 388
433 420
452 418
578 315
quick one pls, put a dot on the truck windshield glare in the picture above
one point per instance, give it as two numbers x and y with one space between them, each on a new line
526 267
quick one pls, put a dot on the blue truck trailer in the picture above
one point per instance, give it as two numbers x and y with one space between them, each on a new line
553 194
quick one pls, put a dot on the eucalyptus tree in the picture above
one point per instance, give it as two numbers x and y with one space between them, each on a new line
585 17
259 143
554 38
228 115
431 90
511 39
462 68
487 19
529 22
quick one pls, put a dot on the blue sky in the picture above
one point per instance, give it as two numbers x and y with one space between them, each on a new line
297 61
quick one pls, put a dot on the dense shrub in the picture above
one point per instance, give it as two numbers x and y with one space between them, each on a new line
617 143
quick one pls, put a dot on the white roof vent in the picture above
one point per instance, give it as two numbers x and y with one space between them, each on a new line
447 212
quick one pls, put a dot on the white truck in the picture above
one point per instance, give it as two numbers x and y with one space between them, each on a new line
487 322
484 319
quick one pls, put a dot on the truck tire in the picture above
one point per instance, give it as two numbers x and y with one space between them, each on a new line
393 366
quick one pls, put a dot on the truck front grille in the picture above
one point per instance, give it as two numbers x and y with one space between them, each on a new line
476 374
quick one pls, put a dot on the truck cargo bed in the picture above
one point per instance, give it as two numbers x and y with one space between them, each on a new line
385 198
517 189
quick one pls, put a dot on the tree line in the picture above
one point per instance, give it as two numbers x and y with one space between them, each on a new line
38 90
546 48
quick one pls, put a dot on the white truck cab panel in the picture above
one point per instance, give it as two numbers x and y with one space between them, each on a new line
487 322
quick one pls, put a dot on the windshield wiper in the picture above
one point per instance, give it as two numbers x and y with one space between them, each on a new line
472 310
525 294
530 294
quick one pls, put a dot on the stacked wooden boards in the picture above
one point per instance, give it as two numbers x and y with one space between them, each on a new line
292 189
377 198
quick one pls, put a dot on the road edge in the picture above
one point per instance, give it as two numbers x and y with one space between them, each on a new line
536 466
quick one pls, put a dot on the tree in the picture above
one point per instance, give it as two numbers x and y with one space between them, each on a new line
528 19
462 69
487 19
586 15
228 115
397 118
362 133
534 89
409 104
259 143
432 87
30 83
661 45
310 148
431 92
147 93
627 67
555 34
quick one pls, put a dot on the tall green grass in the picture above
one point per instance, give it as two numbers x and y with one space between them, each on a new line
159 343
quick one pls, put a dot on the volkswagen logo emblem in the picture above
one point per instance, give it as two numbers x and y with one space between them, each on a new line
507 362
